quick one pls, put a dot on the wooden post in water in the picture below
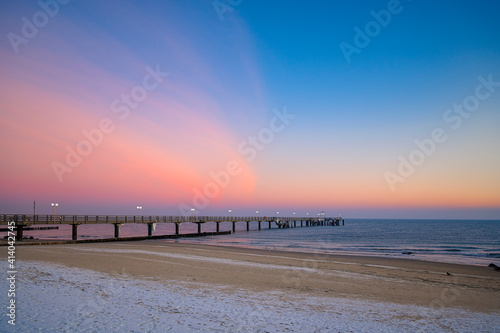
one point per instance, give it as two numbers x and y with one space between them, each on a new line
177 228
269 224
248 225
259 225
234 226
117 229
151 227
19 228
199 227
217 227
19 232
74 231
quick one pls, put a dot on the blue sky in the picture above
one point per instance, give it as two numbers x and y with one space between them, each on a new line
226 79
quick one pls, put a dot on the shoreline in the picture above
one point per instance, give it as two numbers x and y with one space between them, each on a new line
394 280
413 256
189 239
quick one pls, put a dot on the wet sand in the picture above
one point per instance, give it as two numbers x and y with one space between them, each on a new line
400 281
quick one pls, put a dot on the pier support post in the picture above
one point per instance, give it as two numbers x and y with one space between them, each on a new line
217 227
301 223
117 229
74 231
177 228
295 224
234 226
19 232
151 227
269 224
248 225
19 228
342 221
259 225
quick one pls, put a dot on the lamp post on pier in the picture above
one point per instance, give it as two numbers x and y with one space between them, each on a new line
139 212
54 215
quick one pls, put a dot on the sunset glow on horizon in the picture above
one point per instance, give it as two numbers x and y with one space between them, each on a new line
162 104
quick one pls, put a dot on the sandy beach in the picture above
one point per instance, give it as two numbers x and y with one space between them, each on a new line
399 281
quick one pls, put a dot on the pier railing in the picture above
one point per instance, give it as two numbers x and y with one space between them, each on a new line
21 221
29 219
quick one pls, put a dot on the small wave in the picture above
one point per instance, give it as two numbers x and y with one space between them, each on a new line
453 247
373 249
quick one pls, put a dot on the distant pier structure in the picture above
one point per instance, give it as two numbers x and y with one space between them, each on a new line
21 222
285 223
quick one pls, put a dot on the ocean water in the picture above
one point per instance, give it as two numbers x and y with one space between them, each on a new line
475 242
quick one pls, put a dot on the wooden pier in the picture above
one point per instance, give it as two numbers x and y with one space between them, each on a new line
23 221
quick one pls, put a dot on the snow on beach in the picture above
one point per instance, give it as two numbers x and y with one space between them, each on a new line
58 298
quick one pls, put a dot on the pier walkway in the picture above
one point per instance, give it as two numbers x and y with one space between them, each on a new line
21 221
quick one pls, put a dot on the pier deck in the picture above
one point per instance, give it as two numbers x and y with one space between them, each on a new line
20 221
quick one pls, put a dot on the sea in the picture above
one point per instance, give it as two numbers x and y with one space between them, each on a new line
472 242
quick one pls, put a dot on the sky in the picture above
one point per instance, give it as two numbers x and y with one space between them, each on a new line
368 109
